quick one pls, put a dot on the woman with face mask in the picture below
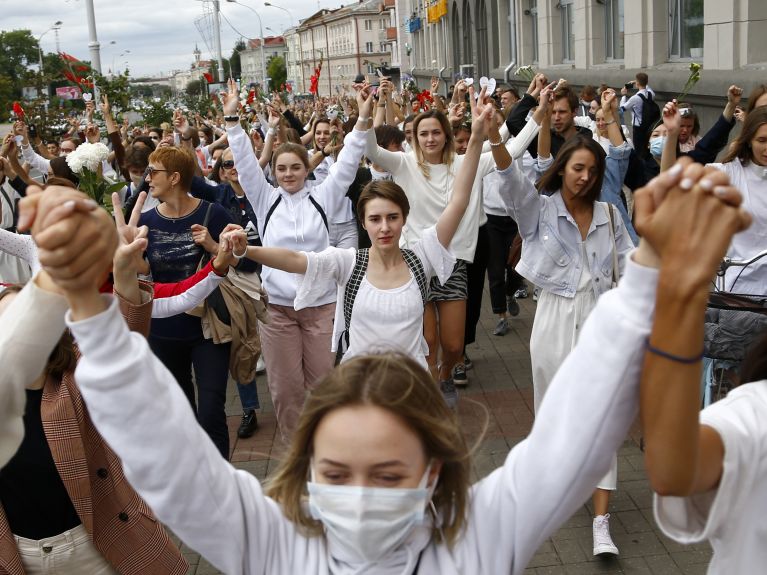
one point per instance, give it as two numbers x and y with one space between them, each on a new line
427 175
377 477
574 248
296 343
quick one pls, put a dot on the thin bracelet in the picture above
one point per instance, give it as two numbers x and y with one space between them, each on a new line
672 357
610 122
235 256
496 144
361 119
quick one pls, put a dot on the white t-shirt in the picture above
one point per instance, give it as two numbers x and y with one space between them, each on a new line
733 517
382 319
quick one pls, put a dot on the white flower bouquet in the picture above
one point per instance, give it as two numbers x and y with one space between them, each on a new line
86 162
527 73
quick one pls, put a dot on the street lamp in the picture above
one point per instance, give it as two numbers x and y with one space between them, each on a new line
55 26
290 14
123 53
261 30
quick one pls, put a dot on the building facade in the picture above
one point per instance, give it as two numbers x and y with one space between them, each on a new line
349 40
588 42
254 61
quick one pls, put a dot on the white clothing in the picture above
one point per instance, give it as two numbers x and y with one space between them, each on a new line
605 142
732 516
32 325
634 104
382 319
223 513
35 160
295 224
21 246
13 269
70 552
429 197
751 181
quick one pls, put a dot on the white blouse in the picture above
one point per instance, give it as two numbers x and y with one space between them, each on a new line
382 319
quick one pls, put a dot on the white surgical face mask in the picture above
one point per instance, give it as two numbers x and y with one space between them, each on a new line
366 523
136 180
656 146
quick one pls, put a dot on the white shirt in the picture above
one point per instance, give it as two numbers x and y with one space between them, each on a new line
731 517
382 319
428 197
224 514
634 104
751 181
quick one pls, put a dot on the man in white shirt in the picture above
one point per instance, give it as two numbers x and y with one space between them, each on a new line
634 103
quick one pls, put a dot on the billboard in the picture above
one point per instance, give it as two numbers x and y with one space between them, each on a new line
69 93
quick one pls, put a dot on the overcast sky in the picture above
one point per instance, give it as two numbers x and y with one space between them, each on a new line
160 34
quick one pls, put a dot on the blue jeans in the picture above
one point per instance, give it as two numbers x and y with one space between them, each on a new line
248 396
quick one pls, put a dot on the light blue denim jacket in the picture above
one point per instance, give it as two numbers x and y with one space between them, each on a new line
551 240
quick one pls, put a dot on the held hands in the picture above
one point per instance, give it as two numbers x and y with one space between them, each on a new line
365 101
483 121
542 114
609 101
687 217
734 94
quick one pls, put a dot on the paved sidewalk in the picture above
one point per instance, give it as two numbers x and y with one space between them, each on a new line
501 386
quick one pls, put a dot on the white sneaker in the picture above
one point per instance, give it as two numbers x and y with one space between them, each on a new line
603 543
260 365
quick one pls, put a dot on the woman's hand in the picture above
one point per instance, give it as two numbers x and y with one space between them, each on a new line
688 215
365 101
131 238
609 101
202 237
224 257
543 111
482 123
92 134
274 118
672 119
230 99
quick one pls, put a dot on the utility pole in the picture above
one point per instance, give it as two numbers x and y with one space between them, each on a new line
217 37
93 44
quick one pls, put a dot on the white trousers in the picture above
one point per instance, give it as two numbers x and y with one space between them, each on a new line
70 553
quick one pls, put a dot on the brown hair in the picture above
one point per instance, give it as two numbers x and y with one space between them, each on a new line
291 148
755 94
61 170
448 152
642 79
398 384
175 159
387 135
385 190
569 93
741 146
63 358
551 181
137 157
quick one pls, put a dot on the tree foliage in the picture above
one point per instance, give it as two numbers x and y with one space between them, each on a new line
277 72
18 49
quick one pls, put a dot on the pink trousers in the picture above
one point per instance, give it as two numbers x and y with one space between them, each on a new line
296 349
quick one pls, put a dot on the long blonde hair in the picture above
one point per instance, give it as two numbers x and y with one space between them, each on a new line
448 152
397 383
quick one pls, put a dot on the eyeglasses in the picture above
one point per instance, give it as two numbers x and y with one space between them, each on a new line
227 164
150 171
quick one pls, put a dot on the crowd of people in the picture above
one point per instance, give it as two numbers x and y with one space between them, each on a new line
348 240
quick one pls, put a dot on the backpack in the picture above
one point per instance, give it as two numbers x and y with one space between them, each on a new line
353 285
650 112
276 203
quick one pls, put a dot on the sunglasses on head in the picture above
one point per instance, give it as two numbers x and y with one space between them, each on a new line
227 164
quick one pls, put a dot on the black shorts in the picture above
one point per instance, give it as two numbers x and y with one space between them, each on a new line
454 289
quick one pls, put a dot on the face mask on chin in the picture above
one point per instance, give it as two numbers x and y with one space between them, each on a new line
367 523
136 181
656 146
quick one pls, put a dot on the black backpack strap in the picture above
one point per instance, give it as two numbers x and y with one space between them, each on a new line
416 268
643 98
350 293
11 206
317 205
269 214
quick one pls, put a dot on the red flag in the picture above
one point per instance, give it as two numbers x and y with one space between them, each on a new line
74 67
208 77
251 97
18 110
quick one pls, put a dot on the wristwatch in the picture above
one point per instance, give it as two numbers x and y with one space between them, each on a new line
233 118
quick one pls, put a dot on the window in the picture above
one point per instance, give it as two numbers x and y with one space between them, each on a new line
686 28
371 69
534 27
568 30
382 47
368 25
368 47
614 29
382 24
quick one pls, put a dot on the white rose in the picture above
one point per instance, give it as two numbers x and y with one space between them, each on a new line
75 162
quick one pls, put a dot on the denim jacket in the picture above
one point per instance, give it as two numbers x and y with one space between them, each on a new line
551 240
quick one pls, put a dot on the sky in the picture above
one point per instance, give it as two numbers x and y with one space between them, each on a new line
160 34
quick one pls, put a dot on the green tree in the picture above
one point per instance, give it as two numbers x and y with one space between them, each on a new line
278 74
18 49
156 113
234 59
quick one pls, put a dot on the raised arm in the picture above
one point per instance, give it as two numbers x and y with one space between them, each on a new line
257 189
672 120
683 457
236 241
448 221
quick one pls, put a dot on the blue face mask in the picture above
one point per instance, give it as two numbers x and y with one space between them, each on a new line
656 146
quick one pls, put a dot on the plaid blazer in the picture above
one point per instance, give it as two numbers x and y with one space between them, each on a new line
121 525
